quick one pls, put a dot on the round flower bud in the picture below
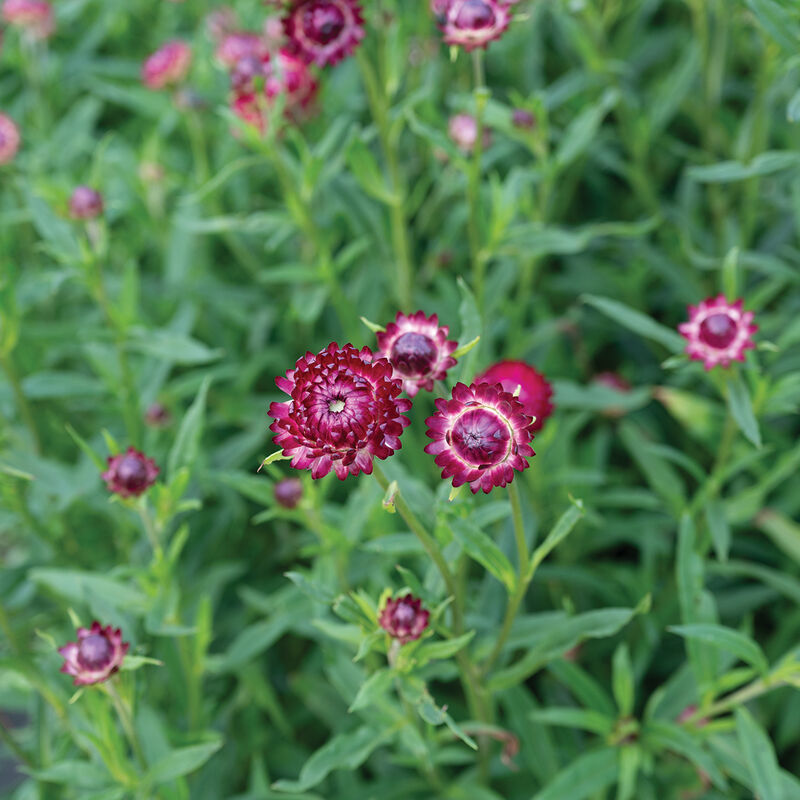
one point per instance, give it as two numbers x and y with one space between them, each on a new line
404 619
85 203
168 66
718 332
463 132
33 16
522 118
288 492
96 656
131 473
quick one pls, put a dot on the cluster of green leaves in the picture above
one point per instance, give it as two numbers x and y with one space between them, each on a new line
650 646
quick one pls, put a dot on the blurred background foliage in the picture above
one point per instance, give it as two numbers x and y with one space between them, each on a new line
662 168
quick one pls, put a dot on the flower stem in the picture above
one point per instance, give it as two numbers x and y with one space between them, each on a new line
523 578
474 182
124 714
22 402
379 107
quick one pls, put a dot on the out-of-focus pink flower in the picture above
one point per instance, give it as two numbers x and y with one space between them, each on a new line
85 203
131 473
9 139
288 492
343 411
168 66
718 332
463 132
418 350
481 436
33 16
474 23
404 619
237 45
96 656
324 31
534 389
157 416
522 118
220 22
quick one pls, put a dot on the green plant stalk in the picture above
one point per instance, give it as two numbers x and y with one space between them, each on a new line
732 701
476 694
474 184
379 107
124 714
21 401
523 578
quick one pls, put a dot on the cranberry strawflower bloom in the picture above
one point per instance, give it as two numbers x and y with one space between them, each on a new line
167 66
343 411
474 23
96 656
480 436
131 473
404 619
324 31
9 139
85 203
418 350
34 16
534 390
288 492
718 332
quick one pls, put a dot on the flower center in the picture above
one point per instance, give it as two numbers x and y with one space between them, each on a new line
480 437
404 614
413 354
132 472
718 330
336 405
94 651
323 22
475 15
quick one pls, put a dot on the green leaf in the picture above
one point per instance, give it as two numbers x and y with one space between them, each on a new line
78 774
637 322
479 547
583 686
587 776
630 757
730 274
563 527
729 171
170 346
366 171
48 385
375 687
344 751
187 442
580 718
741 409
760 756
720 529
434 715
581 132
623 680
471 329
727 639
253 640
662 735
181 762
439 650
793 108
84 587
95 457
784 532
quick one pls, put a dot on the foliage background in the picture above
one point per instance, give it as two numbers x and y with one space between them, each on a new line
663 169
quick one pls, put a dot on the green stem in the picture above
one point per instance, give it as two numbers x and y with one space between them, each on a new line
379 108
11 743
22 402
523 577
732 701
474 183
150 530
126 720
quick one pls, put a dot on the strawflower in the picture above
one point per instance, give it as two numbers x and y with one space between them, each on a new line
167 66
404 619
96 656
130 474
324 31
474 23
343 411
534 389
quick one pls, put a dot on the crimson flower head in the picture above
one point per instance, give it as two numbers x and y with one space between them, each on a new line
291 79
418 350
474 23
34 16
522 118
96 656
288 492
718 332
236 45
9 139
324 31
343 411
168 65
463 132
131 473
85 203
404 619
480 436
534 390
